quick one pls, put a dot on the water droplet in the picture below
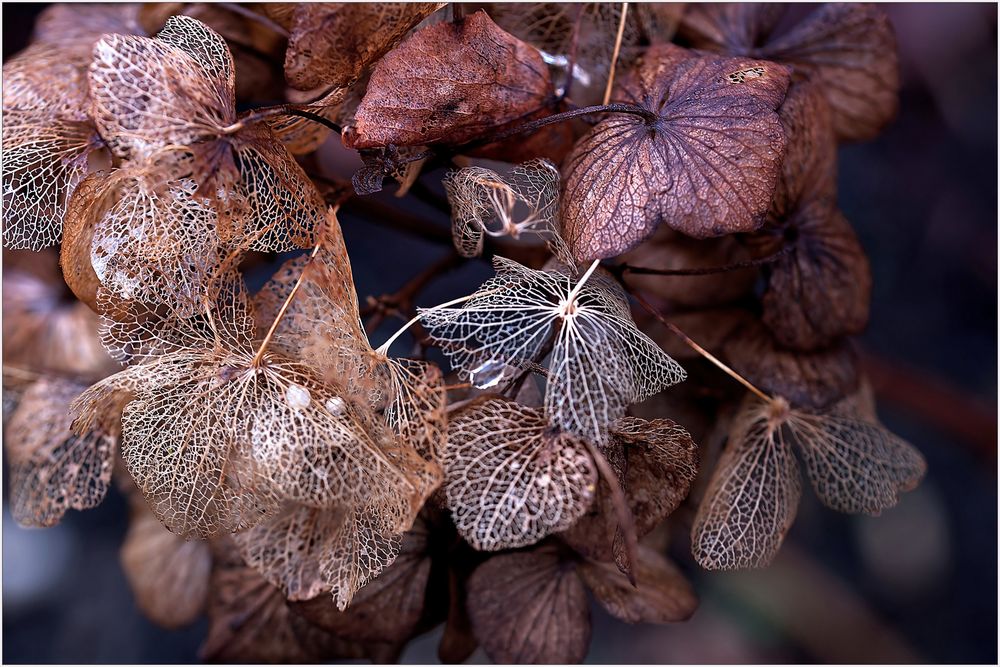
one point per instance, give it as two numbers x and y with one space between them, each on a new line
489 374
297 396
335 405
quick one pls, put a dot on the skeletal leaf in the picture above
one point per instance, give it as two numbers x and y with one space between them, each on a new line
529 607
168 575
807 379
307 552
485 203
854 463
173 96
509 479
600 361
848 48
387 608
578 35
153 240
661 593
707 164
450 83
331 44
44 159
53 469
752 496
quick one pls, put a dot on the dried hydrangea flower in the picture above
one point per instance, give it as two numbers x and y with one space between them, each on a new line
600 362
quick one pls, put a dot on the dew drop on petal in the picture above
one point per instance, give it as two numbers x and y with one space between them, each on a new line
297 396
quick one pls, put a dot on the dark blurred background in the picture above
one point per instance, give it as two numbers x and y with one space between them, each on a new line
918 584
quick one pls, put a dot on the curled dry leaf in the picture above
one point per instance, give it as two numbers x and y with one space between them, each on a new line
848 48
752 496
484 203
854 463
529 607
387 608
600 361
821 290
173 96
807 379
53 469
332 44
450 83
168 575
705 161
661 593
655 462
510 479
250 621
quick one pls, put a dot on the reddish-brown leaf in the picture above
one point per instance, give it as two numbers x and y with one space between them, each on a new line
450 83
848 48
821 289
529 607
707 164
331 44
813 379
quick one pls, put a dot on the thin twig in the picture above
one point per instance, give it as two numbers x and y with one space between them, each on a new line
254 16
697 348
622 269
284 307
626 522
614 54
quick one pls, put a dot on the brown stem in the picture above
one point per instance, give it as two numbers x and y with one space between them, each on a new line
402 299
694 346
626 522
254 16
288 110
614 54
284 307
622 269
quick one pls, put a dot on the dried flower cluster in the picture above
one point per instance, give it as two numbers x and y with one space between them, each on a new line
319 498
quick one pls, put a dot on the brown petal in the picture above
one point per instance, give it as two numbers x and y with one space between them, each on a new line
331 44
821 289
249 620
529 607
814 379
83 212
168 574
730 27
661 593
809 171
707 165
667 249
850 50
450 83
656 461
